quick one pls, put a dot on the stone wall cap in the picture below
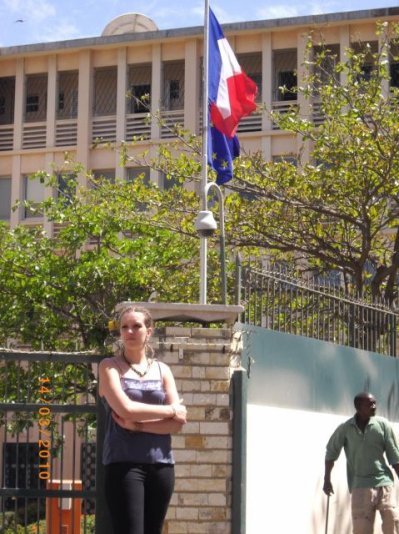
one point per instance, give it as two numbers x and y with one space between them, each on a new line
183 312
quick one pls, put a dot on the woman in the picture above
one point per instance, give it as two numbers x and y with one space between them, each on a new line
143 409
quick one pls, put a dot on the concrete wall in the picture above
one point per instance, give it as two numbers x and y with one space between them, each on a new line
200 359
299 390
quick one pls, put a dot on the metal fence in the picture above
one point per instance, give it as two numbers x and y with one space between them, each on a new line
275 298
49 431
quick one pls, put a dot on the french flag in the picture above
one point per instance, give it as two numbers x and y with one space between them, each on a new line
231 96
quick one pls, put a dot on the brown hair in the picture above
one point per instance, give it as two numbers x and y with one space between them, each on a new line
148 321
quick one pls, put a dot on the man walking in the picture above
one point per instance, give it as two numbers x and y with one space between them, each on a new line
365 439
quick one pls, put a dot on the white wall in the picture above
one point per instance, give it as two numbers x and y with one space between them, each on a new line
285 468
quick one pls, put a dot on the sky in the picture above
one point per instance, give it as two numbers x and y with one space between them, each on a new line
39 21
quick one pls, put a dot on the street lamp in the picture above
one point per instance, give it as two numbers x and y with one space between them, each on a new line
206 226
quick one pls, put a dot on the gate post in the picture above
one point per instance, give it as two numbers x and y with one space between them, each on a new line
103 520
239 408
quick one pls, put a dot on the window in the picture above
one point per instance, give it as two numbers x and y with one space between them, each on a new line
32 103
170 182
368 53
394 73
327 57
105 82
140 102
289 159
67 105
173 85
5 197
66 186
174 90
284 75
139 83
34 193
61 101
7 98
105 174
251 64
287 81
134 172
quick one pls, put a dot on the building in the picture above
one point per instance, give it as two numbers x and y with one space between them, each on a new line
73 96
82 95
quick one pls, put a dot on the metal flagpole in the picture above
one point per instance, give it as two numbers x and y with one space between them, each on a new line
204 181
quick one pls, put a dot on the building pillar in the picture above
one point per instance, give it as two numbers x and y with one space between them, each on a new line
191 84
16 180
267 97
17 192
51 101
303 147
85 111
121 109
344 45
19 103
383 54
156 95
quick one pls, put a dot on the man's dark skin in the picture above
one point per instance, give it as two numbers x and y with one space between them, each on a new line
366 406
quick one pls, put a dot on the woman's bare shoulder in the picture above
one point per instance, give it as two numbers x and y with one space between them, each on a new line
109 363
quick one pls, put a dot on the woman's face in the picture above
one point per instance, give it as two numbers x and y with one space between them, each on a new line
134 332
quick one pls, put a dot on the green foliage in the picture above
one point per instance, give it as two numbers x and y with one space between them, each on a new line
338 207
87 525
110 245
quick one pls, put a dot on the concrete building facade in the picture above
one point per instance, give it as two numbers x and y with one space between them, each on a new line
76 96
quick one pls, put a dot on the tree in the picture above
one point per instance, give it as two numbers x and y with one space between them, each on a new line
338 209
59 292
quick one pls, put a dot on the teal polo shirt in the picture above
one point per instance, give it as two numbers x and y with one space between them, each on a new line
365 461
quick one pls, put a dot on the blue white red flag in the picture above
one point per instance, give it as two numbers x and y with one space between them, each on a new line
231 96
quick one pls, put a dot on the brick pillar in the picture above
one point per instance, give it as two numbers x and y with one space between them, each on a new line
200 359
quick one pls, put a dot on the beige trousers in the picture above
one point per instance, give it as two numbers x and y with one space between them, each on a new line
365 502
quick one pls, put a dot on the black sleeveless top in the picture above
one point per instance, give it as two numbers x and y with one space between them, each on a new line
121 445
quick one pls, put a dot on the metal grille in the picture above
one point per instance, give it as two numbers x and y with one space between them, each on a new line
36 98
105 83
6 138
67 104
284 74
7 98
251 64
139 92
48 414
173 85
319 308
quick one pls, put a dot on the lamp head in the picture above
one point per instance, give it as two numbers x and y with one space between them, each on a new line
205 223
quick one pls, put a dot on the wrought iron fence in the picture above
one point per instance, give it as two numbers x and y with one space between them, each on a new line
50 422
274 298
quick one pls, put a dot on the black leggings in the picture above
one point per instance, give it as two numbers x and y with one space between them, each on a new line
138 496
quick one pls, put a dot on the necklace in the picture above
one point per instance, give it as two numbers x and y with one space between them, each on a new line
138 372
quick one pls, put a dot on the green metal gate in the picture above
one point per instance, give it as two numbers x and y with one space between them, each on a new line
51 435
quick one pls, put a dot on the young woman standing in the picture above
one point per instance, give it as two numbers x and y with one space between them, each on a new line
142 411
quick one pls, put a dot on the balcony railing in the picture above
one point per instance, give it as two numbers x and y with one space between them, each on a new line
282 106
104 129
66 132
6 137
170 119
317 114
252 123
138 125
34 135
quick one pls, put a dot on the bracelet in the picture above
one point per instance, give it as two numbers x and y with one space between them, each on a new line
174 411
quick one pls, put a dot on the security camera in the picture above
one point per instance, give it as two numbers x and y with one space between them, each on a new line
205 223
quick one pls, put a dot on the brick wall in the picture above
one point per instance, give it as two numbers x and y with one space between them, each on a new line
201 361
